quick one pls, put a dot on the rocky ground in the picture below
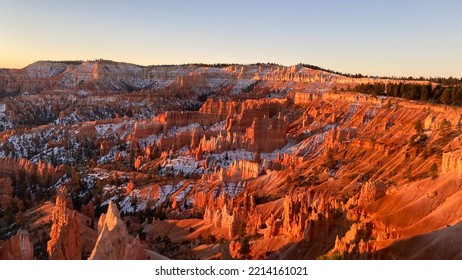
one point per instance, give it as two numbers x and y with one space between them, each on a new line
106 160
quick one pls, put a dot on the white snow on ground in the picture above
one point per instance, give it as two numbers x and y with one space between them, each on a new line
5 124
166 191
233 189
173 131
149 141
24 144
226 158
110 156
351 111
183 193
90 179
133 203
186 165
241 85
106 130
71 118
217 127
303 148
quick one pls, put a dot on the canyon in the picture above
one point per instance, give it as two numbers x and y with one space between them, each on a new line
109 160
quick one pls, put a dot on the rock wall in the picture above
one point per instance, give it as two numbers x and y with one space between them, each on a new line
241 170
180 119
144 129
266 135
13 167
303 218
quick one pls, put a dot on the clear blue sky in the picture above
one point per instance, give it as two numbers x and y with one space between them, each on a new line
390 37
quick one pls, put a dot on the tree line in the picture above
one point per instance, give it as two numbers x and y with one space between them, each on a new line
449 95
439 80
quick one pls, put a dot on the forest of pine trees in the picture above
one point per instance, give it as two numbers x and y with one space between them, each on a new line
449 95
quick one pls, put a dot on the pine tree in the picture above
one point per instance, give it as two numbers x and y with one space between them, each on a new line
244 251
434 170
418 127
445 129
330 159
446 97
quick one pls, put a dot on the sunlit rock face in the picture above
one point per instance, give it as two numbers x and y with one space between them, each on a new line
114 242
193 161
66 240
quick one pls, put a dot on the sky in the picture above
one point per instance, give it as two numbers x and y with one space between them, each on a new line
389 37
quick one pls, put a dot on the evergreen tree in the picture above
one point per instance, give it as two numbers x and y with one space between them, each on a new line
330 159
446 96
418 127
445 129
434 170
245 248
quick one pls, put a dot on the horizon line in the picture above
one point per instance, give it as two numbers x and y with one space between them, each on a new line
306 65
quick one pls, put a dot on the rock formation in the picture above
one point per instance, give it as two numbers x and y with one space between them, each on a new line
354 241
371 191
238 220
17 247
65 242
113 238
452 162
272 227
226 151
15 167
113 241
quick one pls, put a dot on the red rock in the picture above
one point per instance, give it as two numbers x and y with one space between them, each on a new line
130 187
89 209
143 130
135 251
65 242
272 227
452 162
17 247
239 220
371 191
113 241
13 167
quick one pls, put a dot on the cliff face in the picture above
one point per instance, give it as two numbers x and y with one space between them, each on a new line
124 77
65 242
452 162
16 167
17 247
